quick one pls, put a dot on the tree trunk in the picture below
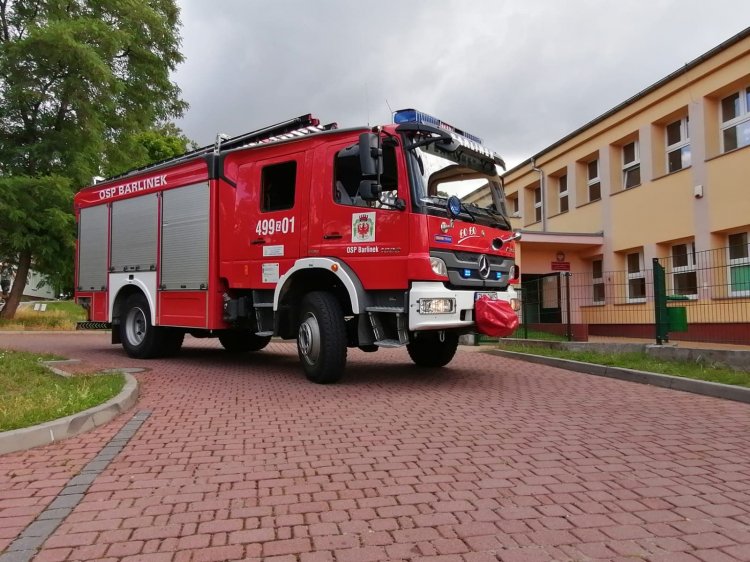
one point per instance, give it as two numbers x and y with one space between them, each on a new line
16 291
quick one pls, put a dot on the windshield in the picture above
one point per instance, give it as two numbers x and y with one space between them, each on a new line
438 174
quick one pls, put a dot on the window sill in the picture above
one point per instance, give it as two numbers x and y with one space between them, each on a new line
668 174
745 296
588 203
631 301
624 190
532 223
728 152
594 305
558 214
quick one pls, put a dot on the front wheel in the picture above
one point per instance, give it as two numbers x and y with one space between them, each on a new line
321 338
427 349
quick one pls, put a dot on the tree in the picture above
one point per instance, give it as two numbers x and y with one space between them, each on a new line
79 80
158 143
36 224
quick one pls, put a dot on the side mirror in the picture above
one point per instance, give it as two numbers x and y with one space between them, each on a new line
370 155
369 190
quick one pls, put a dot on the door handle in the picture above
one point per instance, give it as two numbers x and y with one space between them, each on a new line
332 235
259 241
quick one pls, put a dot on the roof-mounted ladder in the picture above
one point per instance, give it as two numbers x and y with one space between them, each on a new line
289 129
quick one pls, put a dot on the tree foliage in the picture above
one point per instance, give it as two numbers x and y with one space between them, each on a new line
161 142
79 81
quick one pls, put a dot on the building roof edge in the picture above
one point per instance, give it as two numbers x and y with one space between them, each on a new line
653 87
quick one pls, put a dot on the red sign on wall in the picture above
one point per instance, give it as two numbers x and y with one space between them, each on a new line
560 266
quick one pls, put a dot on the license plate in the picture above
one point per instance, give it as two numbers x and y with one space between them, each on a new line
487 295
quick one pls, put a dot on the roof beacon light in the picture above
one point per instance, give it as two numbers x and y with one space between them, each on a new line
463 138
414 116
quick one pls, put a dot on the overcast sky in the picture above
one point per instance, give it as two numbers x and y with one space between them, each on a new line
520 74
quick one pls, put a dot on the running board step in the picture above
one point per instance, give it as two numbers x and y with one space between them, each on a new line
390 309
93 326
263 334
389 343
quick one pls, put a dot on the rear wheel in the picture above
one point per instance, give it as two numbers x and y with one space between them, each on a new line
427 350
139 337
321 338
240 341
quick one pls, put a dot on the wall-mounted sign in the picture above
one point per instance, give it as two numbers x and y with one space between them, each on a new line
560 266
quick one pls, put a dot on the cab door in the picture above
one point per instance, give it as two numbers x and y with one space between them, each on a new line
269 214
371 237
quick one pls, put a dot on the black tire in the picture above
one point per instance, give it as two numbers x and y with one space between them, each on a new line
241 341
321 338
139 337
426 349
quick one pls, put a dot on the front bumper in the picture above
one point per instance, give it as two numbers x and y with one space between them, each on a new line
461 317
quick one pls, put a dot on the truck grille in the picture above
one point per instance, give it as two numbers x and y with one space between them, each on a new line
466 269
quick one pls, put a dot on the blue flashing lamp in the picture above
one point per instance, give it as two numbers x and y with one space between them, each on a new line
454 206
498 275
467 273
415 116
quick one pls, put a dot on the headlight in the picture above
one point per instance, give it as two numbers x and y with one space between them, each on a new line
439 267
437 306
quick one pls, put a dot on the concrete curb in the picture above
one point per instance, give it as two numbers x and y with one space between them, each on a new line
716 390
56 430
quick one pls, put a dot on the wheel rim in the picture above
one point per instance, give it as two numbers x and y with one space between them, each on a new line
135 326
308 339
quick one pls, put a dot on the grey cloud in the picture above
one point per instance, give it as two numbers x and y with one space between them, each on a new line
520 75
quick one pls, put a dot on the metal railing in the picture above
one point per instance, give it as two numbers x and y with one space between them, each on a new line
696 296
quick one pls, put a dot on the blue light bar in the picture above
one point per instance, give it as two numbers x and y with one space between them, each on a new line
467 272
414 116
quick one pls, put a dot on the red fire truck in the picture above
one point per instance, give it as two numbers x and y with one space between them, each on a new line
337 238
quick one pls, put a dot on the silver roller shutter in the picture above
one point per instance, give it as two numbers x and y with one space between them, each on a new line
184 254
134 228
92 248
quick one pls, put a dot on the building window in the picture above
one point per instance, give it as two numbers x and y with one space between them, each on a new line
739 265
735 120
636 278
537 204
631 165
514 206
678 145
597 284
594 185
562 185
684 279
277 192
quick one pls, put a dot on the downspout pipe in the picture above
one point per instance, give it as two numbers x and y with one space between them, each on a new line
543 188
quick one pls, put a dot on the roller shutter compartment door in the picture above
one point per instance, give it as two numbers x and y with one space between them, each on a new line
134 229
92 248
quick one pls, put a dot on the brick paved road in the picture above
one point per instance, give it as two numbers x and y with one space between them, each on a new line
490 459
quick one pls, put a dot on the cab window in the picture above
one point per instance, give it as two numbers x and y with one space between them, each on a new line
348 174
277 186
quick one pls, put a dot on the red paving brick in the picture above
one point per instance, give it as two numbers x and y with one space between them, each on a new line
488 459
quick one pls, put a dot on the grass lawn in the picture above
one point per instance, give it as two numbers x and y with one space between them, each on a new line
30 394
59 315
641 362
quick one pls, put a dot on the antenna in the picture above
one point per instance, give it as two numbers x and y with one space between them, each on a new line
389 108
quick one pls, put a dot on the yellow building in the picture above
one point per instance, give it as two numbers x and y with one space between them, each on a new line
664 175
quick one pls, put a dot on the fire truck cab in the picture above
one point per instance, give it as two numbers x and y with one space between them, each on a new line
334 237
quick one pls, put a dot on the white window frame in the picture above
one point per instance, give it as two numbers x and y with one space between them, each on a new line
591 181
598 281
741 262
640 274
682 144
538 205
742 118
628 167
563 193
688 268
